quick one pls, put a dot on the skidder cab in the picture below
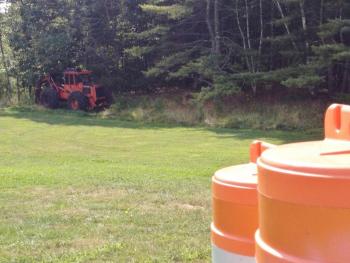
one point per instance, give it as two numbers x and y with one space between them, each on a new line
78 91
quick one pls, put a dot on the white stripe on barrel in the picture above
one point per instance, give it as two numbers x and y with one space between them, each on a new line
222 256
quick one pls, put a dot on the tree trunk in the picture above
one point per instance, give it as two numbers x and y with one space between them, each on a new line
261 31
279 7
210 27
253 66
247 23
261 26
345 77
4 61
331 84
303 22
243 37
302 11
107 10
321 11
248 35
30 91
18 90
272 35
217 27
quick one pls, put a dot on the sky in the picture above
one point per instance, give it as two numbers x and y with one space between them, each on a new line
3 7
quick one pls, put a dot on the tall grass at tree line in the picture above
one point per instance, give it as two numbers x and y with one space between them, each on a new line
224 113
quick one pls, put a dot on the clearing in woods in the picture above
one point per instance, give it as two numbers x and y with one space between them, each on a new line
76 188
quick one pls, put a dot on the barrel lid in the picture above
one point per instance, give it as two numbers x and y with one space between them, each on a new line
244 175
238 184
314 173
326 158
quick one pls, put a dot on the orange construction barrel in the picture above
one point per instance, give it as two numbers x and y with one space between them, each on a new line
235 210
304 197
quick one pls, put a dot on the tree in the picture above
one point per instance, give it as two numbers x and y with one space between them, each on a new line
217 46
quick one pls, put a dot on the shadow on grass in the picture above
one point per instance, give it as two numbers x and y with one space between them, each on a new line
69 118
279 135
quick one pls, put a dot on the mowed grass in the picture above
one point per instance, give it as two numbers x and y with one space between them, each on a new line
76 188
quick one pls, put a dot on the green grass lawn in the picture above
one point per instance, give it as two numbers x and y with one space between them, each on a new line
76 188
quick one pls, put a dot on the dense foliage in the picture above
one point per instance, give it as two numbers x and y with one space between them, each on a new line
217 46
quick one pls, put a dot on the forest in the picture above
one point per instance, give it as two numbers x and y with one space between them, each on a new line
117 118
216 47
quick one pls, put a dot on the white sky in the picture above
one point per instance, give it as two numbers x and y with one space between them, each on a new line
3 7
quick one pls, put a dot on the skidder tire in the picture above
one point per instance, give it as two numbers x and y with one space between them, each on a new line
109 97
77 101
49 98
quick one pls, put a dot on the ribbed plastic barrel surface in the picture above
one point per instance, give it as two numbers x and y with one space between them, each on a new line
235 210
304 197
